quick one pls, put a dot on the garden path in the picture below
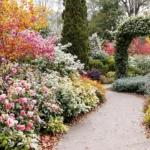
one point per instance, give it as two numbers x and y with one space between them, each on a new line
115 126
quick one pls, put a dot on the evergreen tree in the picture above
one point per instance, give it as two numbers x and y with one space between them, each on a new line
106 18
75 29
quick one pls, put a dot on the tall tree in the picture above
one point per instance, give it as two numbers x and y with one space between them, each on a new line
75 29
106 19
132 7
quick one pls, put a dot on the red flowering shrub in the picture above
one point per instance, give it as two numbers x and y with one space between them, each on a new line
139 46
109 47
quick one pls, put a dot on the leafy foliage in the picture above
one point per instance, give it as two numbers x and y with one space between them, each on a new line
75 29
93 74
130 29
96 51
15 18
105 19
131 84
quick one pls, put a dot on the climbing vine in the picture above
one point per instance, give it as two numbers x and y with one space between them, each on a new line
127 31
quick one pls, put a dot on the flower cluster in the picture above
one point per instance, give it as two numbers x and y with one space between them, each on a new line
96 51
17 17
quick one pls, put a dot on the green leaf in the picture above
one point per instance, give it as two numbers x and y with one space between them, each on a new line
4 143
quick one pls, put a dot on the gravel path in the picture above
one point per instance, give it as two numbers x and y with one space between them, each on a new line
115 126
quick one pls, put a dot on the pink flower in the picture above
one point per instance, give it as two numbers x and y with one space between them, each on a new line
57 108
28 129
30 124
22 113
32 93
13 33
21 127
7 77
12 116
47 104
16 101
38 119
52 101
18 89
23 83
10 122
4 60
35 109
34 102
9 105
44 90
9 92
23 100
1 3
30 107
15 85
27 86
53 88
14 70
2 97
30 114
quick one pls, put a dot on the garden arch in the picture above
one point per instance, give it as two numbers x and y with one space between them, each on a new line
130 29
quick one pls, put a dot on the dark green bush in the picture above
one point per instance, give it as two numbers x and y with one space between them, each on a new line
130 29
95 64
131 84
104 66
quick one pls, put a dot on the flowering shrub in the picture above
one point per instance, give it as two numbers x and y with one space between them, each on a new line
109 47
100 89
96 51
28 43
140 61
64 63
26 105
140 46
15 18
33 101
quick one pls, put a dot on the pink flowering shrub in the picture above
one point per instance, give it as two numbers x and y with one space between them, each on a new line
109 47
29 43
139 46
26 105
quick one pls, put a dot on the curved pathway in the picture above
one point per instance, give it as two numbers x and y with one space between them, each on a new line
115 126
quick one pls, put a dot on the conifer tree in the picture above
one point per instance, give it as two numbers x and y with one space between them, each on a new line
75 29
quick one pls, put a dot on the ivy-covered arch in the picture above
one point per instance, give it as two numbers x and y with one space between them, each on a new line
130 29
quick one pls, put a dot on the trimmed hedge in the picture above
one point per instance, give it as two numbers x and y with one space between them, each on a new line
132 28
131 84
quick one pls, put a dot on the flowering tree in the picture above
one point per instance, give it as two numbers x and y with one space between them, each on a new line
16 17
139 46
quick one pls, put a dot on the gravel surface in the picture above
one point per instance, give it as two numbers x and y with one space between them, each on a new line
115 126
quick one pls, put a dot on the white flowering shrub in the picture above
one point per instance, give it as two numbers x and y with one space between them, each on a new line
96 51
63 62
35 100
140 61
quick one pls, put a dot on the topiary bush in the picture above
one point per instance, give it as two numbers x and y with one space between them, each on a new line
131 84
132 28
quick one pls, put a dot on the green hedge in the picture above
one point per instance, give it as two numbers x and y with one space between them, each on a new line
131 84
132 28
104 66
